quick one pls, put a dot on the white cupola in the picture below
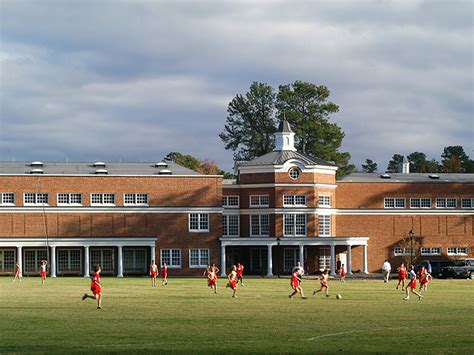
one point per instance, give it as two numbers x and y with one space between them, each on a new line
284 137
404 166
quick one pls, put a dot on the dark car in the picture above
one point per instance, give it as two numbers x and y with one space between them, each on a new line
461 269
435 267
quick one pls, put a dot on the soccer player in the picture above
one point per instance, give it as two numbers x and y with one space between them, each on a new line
212 280
153 273
43 265
164 275
233 281
386 269
17 272
402 275
343 273
295 284
324 280
240 273
425 277
299 269
412 285
96 287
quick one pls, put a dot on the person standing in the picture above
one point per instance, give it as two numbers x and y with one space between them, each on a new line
240 273
43 265
343 273
386 269
153 273
338 265
164 275
17 272
299 269
402 275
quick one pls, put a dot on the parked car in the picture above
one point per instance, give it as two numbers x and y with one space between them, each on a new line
461 269
435 267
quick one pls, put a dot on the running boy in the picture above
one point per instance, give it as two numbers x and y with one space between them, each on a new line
240 273
153 273
17 272
233 282
295 284
411 285
212 280
425 278
96 287
402 275
324 280
43 265
164 275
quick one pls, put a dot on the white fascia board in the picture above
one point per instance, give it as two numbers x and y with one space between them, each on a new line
283 210
293 241
126 210
320 169
272 185
79 242
408 212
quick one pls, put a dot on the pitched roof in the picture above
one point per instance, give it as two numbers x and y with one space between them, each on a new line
280 157
412 177
284 127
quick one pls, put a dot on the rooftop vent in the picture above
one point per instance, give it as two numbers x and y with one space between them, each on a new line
385 176
36 171
165 172
161 164
101 172
99 164
36 163
433 176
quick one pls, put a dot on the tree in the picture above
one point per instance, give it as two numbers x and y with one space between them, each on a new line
370 166
411 250
455 160
205 167
419 163
393 164
307 109
251 123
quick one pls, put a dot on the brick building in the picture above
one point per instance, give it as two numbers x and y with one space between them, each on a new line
284 206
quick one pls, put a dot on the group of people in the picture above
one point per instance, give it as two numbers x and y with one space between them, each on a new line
409 276
297 277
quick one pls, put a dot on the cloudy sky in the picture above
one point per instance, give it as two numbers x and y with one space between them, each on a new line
134 80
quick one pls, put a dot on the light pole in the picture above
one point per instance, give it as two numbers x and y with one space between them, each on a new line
412 235
278 256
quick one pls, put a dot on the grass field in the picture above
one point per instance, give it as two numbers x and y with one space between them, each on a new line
187 316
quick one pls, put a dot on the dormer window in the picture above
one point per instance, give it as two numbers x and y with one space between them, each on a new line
294 173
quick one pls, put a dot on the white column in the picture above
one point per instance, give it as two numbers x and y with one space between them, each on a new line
223 261
365 259
270 261
333 260
19 257
349 260
153 253
52 269
86 261
302 255
120 262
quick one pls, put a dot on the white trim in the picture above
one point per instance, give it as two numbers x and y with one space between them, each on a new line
91 175
270 185
78 242
408 212
269 168
135 194
116 209
293 241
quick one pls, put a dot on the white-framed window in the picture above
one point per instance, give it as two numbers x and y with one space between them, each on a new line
259 225
134 260
198 258
35 198
230 225
294 224
446 203
231 201
420 203
397 251
467 203
102 199
199 222
7 198
430 251
324 224
69 199
294 200
290 257
324 201
457 250
7 260
394 202
259 201
140 199
172 257
294 173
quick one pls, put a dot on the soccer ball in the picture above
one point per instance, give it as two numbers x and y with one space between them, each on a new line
338 296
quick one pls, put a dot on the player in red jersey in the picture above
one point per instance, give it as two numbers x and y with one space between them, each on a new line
153 273
324 280
17 272
233 282
96 287
212 280
43 265
402 275
343 273
425 277
164 275
240 273
295 283
412 285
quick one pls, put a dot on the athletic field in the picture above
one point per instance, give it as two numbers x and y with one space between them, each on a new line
187 316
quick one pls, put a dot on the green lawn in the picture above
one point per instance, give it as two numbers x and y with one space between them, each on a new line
187 316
